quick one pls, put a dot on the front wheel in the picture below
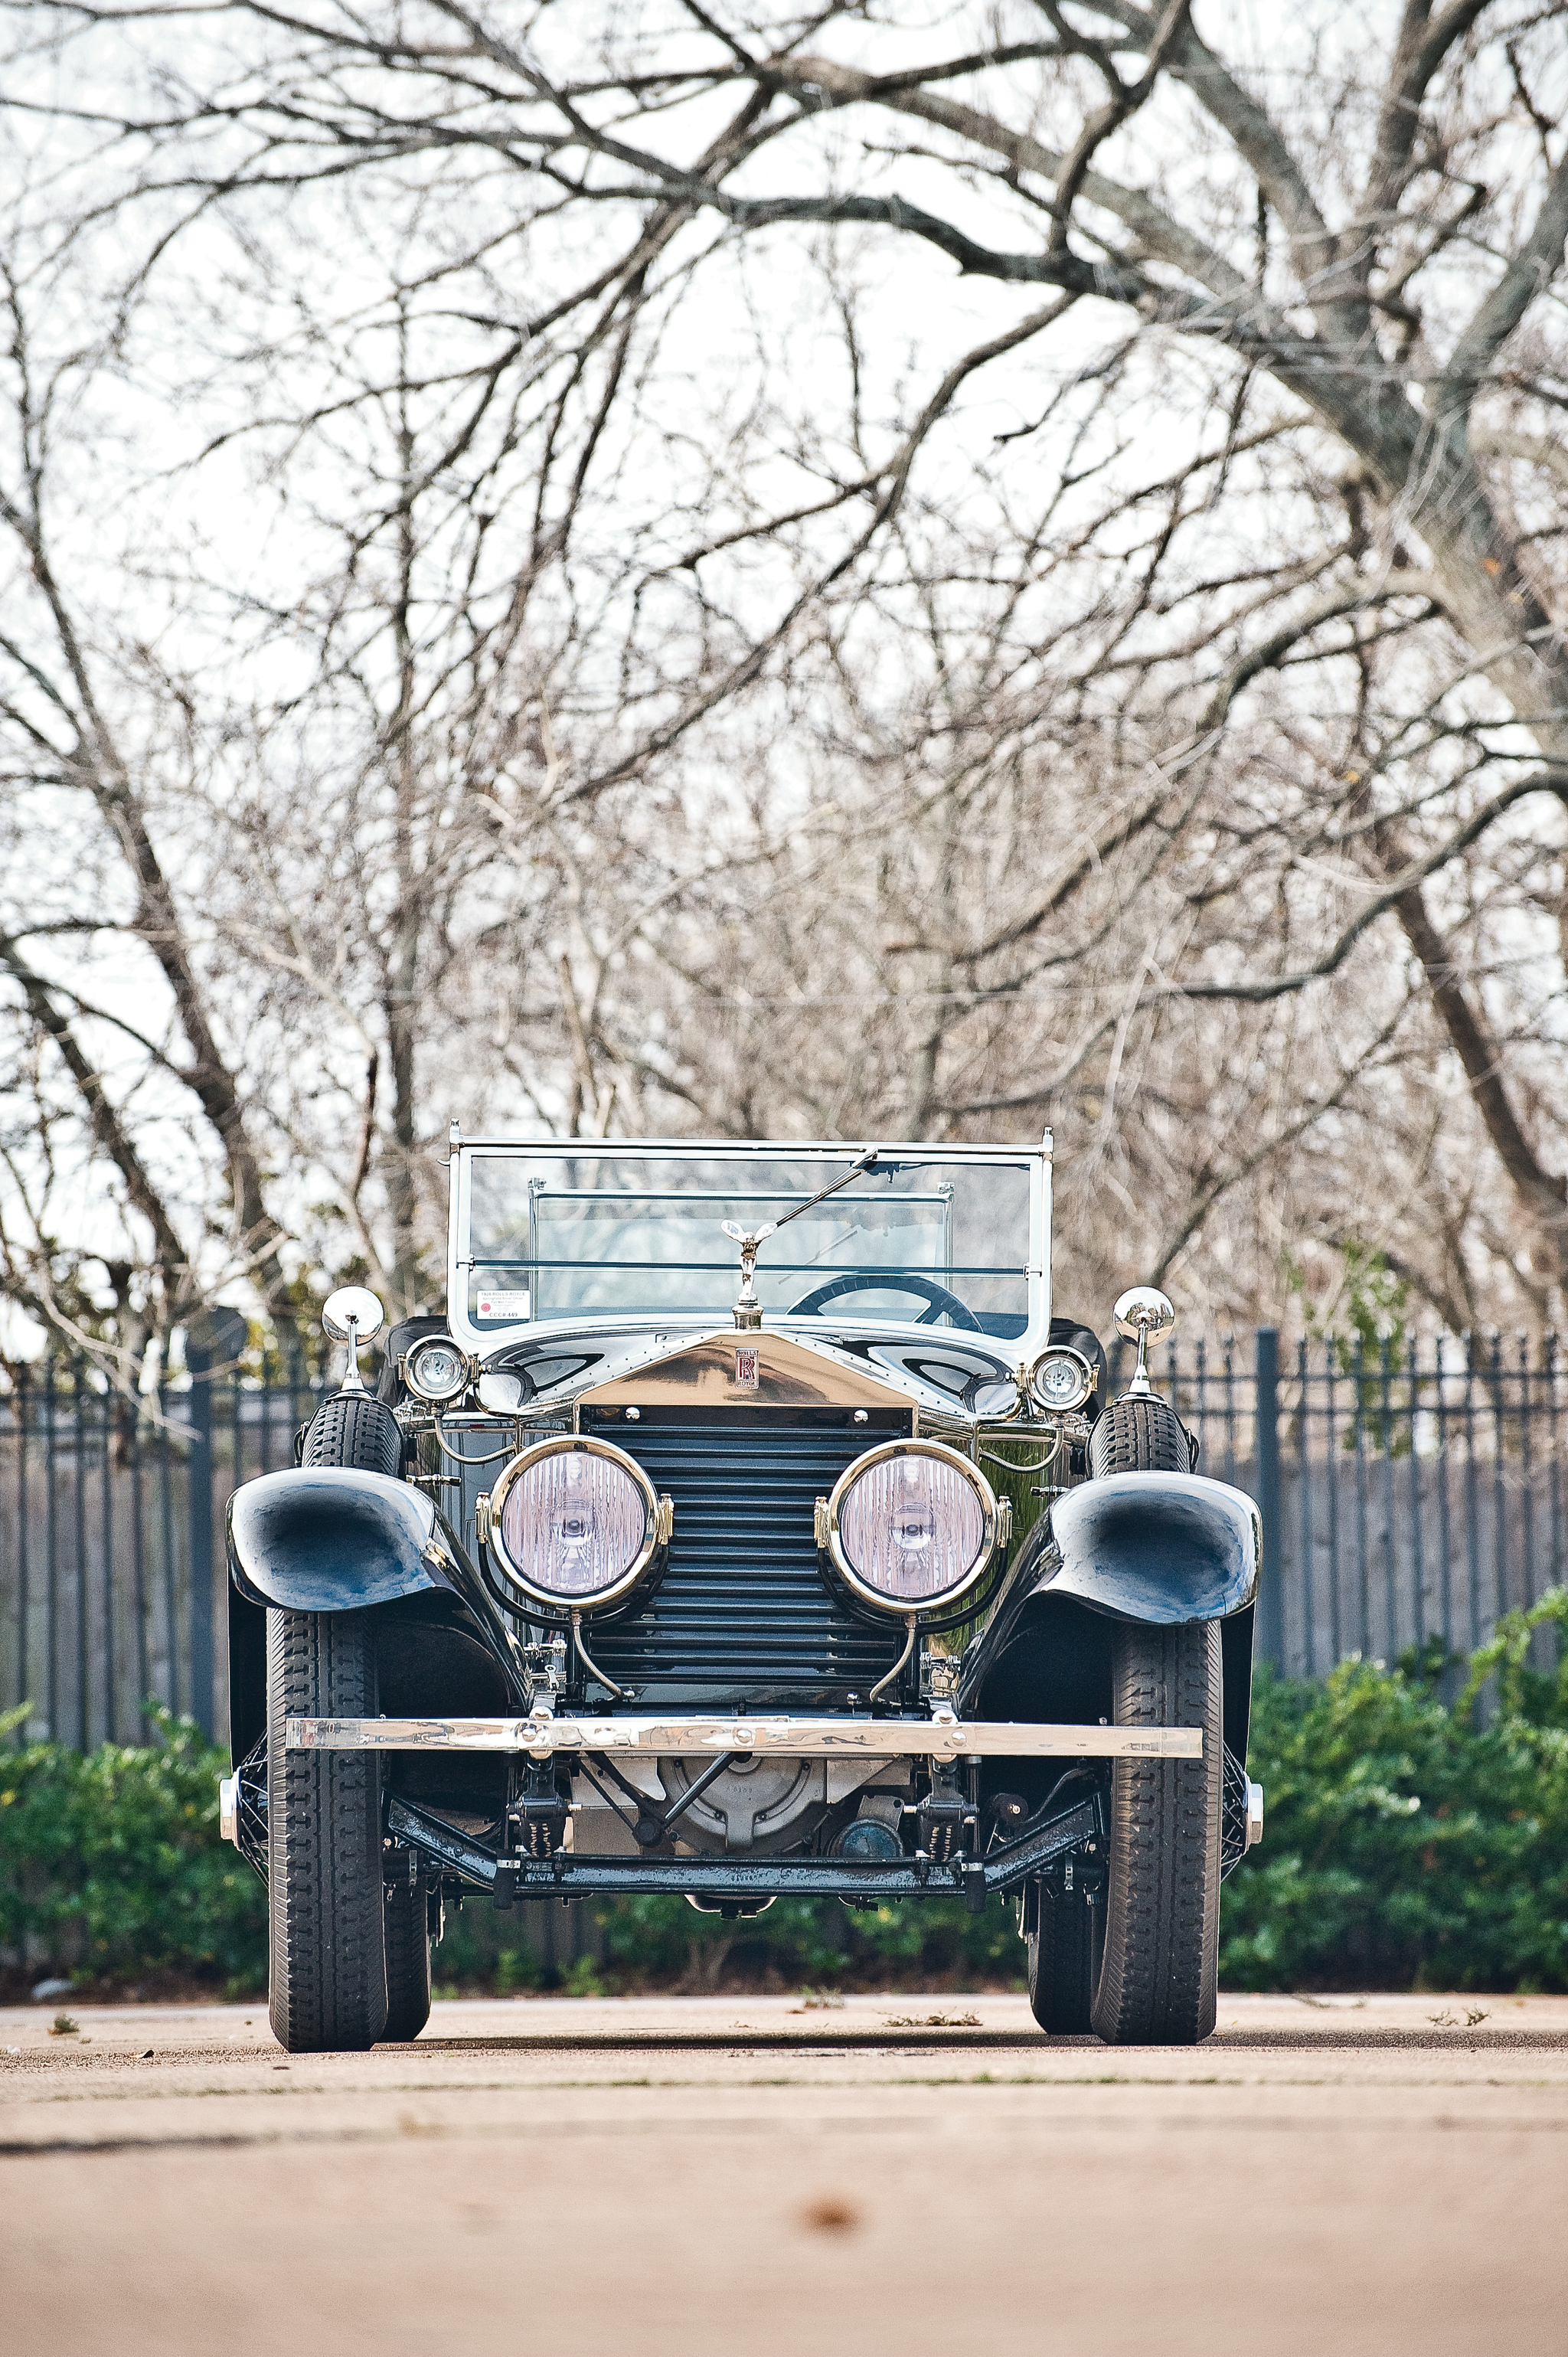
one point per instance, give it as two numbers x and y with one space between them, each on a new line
327 1958
1157 1984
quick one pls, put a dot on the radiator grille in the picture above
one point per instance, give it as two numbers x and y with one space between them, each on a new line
742 1604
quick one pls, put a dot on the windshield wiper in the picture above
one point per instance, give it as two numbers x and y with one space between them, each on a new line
747 1308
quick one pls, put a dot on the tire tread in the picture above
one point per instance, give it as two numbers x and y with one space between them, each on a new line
328 1980
1158 1983
1139 1433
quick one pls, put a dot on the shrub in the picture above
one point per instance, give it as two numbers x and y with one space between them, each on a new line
1410 1842
112 1865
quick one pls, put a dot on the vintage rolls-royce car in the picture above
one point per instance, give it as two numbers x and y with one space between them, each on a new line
747 1525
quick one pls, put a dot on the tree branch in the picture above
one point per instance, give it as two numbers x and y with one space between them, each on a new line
1527 275
108 1130
1541 1194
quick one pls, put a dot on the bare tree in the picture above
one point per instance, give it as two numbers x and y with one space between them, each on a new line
1136 700
72 771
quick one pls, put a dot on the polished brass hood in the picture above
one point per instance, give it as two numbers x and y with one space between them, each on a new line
740 1370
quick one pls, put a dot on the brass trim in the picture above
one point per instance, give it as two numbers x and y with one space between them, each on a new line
790 1374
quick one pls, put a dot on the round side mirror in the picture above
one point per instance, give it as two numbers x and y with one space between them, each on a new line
352 1305
1144 1315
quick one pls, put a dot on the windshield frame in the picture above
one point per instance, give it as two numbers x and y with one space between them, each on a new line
490 1340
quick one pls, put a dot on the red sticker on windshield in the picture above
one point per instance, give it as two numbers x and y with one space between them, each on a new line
746 1369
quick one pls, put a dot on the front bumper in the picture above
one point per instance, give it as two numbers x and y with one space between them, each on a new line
943 1738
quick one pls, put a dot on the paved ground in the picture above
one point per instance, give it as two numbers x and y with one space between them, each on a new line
672 2178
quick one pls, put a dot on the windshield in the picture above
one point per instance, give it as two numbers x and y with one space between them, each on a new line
921 1238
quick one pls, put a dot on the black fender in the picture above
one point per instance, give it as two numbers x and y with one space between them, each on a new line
330 1538
247 1675
1155 1547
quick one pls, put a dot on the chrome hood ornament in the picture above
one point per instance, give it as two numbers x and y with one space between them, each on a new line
747 1308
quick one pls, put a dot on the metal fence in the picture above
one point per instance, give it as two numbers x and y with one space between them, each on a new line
1407 1495
112 1567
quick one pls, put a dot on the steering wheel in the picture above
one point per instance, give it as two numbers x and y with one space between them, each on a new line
927 1287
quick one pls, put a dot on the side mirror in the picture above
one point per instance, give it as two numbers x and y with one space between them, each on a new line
352 1315
1144 1315
352 1305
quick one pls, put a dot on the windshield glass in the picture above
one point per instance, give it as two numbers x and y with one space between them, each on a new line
919 1239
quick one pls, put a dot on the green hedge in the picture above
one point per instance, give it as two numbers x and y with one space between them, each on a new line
113 1870
1415 1837
1409 1841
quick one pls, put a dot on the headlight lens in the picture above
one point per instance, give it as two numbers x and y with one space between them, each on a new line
911 1525
1062 1380
576 1523
435 1370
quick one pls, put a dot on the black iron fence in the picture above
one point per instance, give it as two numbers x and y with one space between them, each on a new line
1407 1495
112 1567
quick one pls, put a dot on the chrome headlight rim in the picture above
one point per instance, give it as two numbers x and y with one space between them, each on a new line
656 1525
435 1395
927 1606
1088 1375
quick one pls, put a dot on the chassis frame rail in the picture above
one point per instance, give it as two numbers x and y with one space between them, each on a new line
567 1874
938 1738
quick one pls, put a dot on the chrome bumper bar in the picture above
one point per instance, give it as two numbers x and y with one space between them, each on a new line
798 1739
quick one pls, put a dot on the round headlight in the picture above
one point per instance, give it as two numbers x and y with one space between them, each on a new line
1061 1380
435 1370
910 1525
576 1523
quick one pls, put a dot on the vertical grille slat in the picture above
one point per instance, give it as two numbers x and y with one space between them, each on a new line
743 1606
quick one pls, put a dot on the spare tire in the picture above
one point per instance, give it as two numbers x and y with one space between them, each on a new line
1139 1433
354 1428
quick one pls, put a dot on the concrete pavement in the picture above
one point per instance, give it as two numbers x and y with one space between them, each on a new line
891 2175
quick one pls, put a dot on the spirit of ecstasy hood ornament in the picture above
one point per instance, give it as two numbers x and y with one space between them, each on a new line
747 1308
